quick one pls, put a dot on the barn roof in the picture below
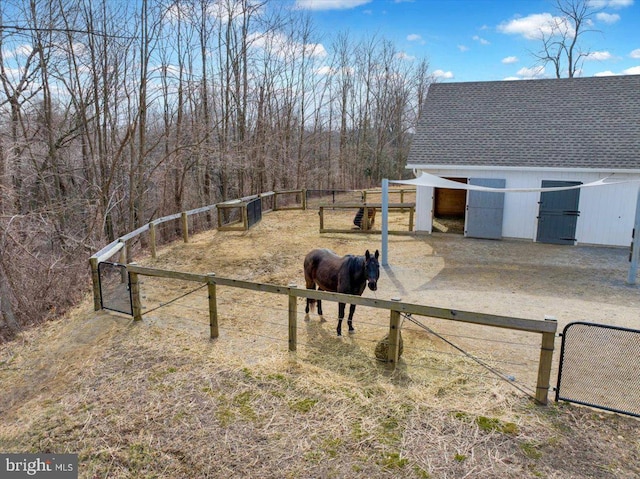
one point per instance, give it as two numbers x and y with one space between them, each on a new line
561 123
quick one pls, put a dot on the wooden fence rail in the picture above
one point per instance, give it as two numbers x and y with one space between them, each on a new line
356 206
546 328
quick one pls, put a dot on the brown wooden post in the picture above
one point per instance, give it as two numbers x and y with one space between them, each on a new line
304 199
245 216
185 227
394 340
123 260
293 320
152 239
136 305
544 367
411 212
275 201
321 218
365 219
213 307
95 280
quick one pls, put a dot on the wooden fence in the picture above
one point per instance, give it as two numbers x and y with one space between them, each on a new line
546 328
121 244
410 207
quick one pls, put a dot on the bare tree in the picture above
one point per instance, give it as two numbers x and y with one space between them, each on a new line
561 41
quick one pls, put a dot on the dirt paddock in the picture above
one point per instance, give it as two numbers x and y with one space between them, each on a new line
508 278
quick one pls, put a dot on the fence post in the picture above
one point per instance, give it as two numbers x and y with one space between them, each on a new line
123 260
412 209
95 280
152 239
245 216
136 305
293 319
394 340
213 307
185 227
321 219
275 201
544 367
304 199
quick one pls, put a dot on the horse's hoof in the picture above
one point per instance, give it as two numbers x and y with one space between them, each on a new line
352 331
322 320
307 317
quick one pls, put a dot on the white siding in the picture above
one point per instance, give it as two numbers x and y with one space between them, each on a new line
606 212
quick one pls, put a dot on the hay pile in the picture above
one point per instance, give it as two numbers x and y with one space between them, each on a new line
382 348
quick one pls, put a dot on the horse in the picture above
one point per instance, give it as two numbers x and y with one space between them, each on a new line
349 274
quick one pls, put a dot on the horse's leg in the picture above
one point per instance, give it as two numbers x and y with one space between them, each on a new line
322 320
306 310
352 309
340 318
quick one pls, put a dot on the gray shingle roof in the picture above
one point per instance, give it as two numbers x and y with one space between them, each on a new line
561 123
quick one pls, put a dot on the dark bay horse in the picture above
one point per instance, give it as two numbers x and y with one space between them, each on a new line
348 274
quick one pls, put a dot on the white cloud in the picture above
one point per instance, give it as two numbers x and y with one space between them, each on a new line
509 60
632 71
414 37
480 40
443 74
530 73
635 53
463 48
405 56
284 47
608 18
325 70
599 56
329 4
531 27
616 4
511 78
607 73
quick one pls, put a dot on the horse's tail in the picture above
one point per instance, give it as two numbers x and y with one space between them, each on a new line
311 302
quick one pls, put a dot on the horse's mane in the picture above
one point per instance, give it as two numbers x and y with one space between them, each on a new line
355 264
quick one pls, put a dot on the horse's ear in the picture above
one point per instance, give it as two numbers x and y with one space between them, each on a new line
377 254
367 255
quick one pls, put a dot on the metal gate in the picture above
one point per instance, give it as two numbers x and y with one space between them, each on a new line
558 213
600 367
115 290
484 210
254 212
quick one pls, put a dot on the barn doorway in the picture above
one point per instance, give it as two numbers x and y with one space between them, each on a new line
449 207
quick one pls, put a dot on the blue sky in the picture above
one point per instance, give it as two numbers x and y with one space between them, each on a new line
482 40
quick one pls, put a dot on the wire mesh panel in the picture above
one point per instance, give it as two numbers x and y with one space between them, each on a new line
254 212
115 293
600 367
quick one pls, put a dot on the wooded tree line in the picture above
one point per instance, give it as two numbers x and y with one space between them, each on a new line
113 113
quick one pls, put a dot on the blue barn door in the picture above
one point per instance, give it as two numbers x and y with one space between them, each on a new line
558 213
484 210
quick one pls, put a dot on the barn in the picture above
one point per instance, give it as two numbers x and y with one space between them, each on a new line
531 135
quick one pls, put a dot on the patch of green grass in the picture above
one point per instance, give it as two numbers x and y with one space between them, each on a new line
489 424
332 446
303 405
393 460
421 473
460 457
530 449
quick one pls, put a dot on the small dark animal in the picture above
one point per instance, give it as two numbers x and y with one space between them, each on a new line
348 274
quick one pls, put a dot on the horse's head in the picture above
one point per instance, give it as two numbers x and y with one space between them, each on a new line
372 269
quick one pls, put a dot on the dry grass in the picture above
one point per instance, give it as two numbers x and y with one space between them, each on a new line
159 399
